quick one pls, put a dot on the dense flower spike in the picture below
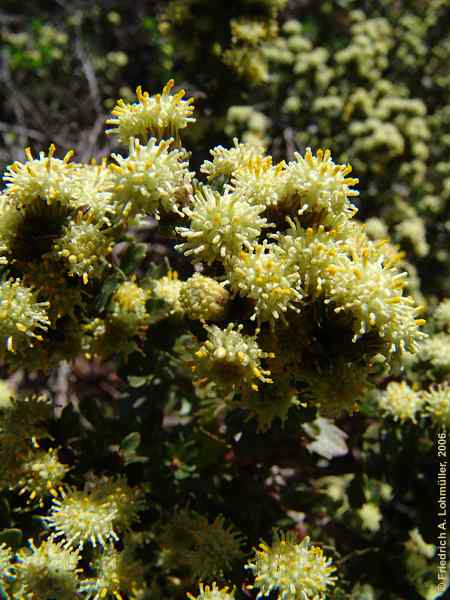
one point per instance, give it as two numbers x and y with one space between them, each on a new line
161 116
441 315
358 278
296 570
258 181
47 571
95 515
220 226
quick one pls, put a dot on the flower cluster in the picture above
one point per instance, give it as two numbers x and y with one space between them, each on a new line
286 239
297 571
285 310
25 467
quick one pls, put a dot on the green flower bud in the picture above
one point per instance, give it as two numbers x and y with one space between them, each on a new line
203 299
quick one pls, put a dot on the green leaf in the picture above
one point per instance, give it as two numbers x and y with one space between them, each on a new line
131 442
12 538
137 381
134 254
106 292
5 512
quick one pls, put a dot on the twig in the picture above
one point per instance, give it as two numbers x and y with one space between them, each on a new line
89 73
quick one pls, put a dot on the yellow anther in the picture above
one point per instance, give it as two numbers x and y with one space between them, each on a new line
169 85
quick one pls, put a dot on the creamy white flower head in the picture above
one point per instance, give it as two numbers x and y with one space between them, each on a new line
296 570
40 474
370 516
317 189
47 571
220 225
401 402
97 514
437 404
117 573
161 115
434 350
127 309
414 232
226 161
84 246
229 358
313 252
367 284
168 288
260 182
212 592
92 187
22 318
266 276
151 177
44 179
441 315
